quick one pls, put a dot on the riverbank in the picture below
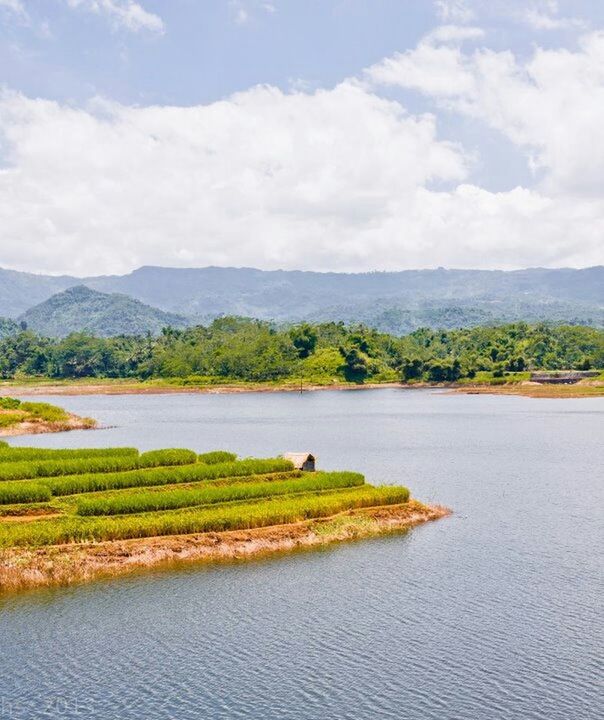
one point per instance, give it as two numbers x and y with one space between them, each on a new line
26 568
584 388
33 418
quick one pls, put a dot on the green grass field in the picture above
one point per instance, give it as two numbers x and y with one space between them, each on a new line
49 497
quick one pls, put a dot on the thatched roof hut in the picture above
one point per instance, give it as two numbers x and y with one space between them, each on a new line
301 460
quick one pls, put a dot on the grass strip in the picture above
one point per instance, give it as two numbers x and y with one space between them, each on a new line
216 456
23 492
142 501
52 468
20 454
234 516
75 484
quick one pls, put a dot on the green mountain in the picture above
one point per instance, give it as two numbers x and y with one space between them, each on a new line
396 302
81 309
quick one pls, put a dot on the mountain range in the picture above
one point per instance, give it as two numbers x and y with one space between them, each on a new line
152 297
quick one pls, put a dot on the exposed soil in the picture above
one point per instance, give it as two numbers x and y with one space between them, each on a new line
148 389
585 388
73 422
23 568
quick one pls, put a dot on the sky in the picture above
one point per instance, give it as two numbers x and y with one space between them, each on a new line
346 135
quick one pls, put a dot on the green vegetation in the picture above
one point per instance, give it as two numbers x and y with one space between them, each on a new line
163 501
238 350
28 469
74 484
217 456
14 412
102 314
9 454
170 499
23 492
273 511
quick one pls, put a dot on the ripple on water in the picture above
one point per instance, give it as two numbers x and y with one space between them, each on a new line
494 613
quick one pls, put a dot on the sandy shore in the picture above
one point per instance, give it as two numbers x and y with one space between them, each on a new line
526 389
157 389
26 568
536 390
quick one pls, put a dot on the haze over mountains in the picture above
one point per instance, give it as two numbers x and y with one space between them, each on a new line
152 297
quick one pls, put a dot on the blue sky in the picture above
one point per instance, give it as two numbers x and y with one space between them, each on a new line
479 173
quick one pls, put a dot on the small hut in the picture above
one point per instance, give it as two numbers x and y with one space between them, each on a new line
301 460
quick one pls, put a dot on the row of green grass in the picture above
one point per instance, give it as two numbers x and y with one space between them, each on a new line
144 501
216 456
45 468
14 454
93 482
20 491
24 497
232 516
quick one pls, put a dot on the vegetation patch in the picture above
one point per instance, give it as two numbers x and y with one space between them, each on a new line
74 484
171 499
18 417
236 351
271 511
45 468
217 456
171 491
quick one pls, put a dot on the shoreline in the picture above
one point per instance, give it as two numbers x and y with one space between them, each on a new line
74 388
73 422
27 568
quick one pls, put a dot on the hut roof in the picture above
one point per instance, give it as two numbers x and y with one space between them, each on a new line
299 458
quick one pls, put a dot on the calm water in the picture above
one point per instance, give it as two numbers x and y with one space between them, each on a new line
492 614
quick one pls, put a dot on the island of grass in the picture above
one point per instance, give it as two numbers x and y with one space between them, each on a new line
30 418
71 515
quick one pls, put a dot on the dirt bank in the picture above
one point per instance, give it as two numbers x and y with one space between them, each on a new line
527 389
159 389
584 389
35 427
24 568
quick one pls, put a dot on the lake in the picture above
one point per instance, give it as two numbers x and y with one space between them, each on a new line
493 613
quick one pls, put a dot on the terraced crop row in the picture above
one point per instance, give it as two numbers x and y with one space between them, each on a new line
210 494
13 454
75 484
46 468
233 516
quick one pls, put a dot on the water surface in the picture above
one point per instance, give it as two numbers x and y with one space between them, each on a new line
493 613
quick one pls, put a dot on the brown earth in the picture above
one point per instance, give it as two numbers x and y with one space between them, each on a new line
25 568
585 388
31 427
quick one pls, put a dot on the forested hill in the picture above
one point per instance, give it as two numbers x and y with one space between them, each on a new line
235 349
396 302
81 309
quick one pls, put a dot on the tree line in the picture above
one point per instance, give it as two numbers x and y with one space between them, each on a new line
242 349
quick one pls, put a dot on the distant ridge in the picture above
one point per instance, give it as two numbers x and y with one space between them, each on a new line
393 301
81 309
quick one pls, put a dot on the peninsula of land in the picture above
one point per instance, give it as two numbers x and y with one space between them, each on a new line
72 515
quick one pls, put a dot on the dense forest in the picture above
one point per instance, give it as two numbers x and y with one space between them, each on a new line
240 349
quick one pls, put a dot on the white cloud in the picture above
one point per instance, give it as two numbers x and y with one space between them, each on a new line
242 11
544 16
435 67
123 13
454 11
14 6
337 179
551 105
